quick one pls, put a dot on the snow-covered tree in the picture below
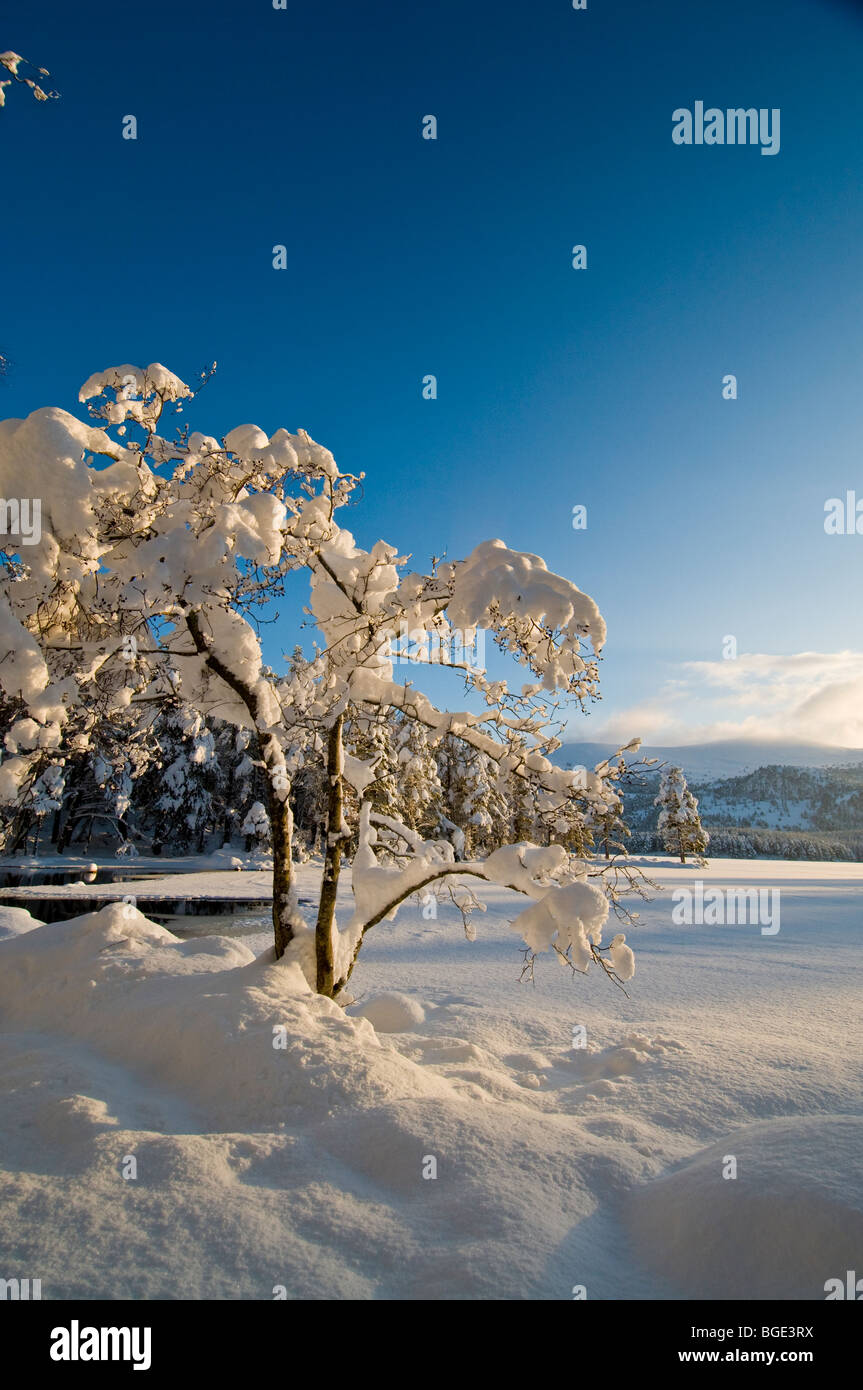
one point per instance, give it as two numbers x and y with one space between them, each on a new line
609 827
155 561
523 809
611 830
242 779
182 789
257 826
679 823
474 797
417 778
371 739
32 749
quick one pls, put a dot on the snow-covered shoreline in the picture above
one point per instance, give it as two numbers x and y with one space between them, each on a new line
182 876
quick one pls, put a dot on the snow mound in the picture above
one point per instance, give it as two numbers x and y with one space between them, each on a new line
242 1040
14 921
789 1221
222 859
391 1013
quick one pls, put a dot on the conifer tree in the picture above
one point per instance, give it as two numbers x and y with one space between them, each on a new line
256 827
679 823
181 789
419 785
372 739
473 797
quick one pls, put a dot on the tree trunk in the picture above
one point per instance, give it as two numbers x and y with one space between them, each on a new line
21 832
278 788
66 832
332 864
283 899
680 846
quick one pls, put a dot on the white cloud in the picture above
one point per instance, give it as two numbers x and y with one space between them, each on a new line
810 697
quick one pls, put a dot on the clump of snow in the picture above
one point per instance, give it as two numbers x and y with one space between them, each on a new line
225 858
514 593
24 671
391 1013
14 921
257 821
138 394
622 957
571 918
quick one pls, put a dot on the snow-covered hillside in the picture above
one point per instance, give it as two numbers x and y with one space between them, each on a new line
823 804
443 1137
705 762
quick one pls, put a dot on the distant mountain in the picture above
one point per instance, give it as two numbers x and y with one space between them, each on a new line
704 762
798 801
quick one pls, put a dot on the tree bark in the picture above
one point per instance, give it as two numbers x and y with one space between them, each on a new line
332 864
283 899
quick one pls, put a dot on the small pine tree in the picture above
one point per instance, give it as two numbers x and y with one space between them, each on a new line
372 739
524 822
242 782
571 826
180 788
418 780
679 823
256 827
472 797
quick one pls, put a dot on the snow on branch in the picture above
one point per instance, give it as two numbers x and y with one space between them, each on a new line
13 63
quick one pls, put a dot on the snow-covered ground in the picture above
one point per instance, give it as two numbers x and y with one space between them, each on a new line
304 1167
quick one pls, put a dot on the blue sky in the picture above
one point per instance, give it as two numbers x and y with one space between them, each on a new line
452 257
